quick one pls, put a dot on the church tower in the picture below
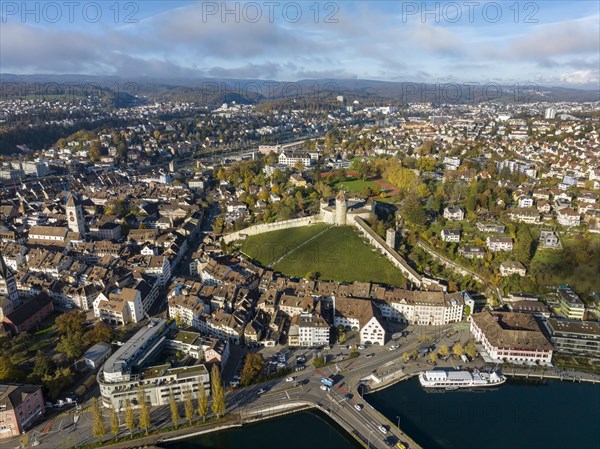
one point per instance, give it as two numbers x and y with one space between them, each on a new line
8 285
75 220
341 208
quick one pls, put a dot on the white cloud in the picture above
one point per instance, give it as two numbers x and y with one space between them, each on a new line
580 77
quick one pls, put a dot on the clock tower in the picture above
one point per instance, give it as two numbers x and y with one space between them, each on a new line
75 220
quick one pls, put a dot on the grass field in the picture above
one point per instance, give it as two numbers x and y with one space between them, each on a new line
577 264
353 185
338 254
267 248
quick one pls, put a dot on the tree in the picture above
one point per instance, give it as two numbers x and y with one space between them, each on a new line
432 357
319 361
114 423
98 425
188 406
457 349
174 410
202 402
101 333
443 352
467 311
218 395
71 323
426 163
71 345
413 212
8 370
44 365
129 416
470 349
523 244
252 366
405 357
145 418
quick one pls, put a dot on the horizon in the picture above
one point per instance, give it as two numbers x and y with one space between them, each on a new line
552 44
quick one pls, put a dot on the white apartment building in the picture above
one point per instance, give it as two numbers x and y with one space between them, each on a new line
129 370
424 308
499 243
308 330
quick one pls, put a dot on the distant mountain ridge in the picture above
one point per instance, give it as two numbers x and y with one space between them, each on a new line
215 90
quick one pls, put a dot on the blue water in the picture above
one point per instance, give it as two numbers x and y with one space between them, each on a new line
517 415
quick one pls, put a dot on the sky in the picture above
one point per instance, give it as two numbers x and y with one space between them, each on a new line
544 42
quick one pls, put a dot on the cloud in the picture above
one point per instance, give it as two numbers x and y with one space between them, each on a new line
580 77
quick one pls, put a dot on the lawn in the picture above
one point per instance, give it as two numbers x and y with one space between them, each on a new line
338 254
268 247
353 185
577 264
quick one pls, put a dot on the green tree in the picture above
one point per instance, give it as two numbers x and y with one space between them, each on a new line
71 323
218 395
145 418
443 352
8 371
188 407
432 357
470 349
129 417
71 345
413 212
405 357
457 349
252 367
174 410
114 423
319 361
101 333
523 244
98 425
202 401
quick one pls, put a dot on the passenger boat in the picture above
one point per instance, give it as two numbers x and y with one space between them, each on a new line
453 380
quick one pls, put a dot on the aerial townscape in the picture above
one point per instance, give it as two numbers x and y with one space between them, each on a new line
199 263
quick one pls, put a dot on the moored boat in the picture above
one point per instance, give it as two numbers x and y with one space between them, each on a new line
453 380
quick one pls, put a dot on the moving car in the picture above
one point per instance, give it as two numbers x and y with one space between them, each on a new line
289 379
400 445
368 356
393 347
383 430
358 407
261 391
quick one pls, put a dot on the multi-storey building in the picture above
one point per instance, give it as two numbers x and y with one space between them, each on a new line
570 303
581 338
511 337
308 330
360 315
129 371
423 308
20 407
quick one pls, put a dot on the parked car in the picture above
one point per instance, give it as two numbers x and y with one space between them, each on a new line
361 347
324 388
368 356
289 379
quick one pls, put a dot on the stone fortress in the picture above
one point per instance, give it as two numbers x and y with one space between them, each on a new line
344 210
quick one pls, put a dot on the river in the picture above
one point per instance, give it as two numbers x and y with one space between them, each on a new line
517 415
